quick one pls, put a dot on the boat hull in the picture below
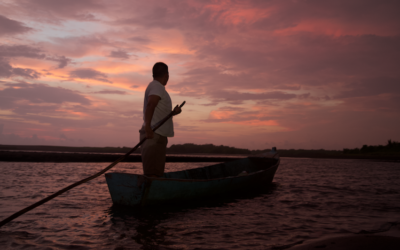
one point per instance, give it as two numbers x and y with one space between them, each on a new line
139 190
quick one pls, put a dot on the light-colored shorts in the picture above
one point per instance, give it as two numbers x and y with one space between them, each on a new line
153 154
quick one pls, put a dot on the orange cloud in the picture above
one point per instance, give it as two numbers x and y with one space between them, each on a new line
34 64
233 118
36 129
221 114
246 16
336 28
256 123
68 129
237 13
115 67
173 42
80 114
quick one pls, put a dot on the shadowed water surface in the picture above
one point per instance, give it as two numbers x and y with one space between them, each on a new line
308 199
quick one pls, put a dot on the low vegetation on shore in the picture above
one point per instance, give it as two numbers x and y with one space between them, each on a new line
391 148
391 151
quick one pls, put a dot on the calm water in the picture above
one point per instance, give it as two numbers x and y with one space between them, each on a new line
309 198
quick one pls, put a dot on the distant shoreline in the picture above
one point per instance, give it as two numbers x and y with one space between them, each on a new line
25 156
48 156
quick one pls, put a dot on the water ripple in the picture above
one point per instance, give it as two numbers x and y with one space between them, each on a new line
309 198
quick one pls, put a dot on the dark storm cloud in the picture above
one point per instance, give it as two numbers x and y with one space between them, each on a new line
11 27
87 73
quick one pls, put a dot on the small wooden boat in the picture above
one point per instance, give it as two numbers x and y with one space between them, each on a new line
139 190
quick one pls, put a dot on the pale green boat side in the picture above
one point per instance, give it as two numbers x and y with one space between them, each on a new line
139 190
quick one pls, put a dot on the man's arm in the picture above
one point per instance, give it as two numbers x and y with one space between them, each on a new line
151 106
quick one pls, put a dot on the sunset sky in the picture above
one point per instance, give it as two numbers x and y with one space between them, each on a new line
255 74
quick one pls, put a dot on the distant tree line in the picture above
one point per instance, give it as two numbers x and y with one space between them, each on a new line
190 148
66 149
390 147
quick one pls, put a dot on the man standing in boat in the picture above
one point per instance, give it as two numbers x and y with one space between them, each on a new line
157 105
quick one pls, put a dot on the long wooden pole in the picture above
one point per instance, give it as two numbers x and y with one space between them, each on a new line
21 212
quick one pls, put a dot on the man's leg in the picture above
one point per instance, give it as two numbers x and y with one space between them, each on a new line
153 155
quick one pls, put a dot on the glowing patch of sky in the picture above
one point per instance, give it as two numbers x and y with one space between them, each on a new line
218 53
69 28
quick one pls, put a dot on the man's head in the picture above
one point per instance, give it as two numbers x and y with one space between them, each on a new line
160 73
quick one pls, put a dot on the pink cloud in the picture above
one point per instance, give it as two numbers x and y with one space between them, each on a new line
12 27
26 73
21 51
241 115
56 12
77 46
89 74
293 71
119 54
110 91
26 51
38 93
6 71
62 60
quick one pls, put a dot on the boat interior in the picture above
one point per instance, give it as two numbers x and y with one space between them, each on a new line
244 166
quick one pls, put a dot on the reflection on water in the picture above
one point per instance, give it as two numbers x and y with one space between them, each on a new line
309 198
147 223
